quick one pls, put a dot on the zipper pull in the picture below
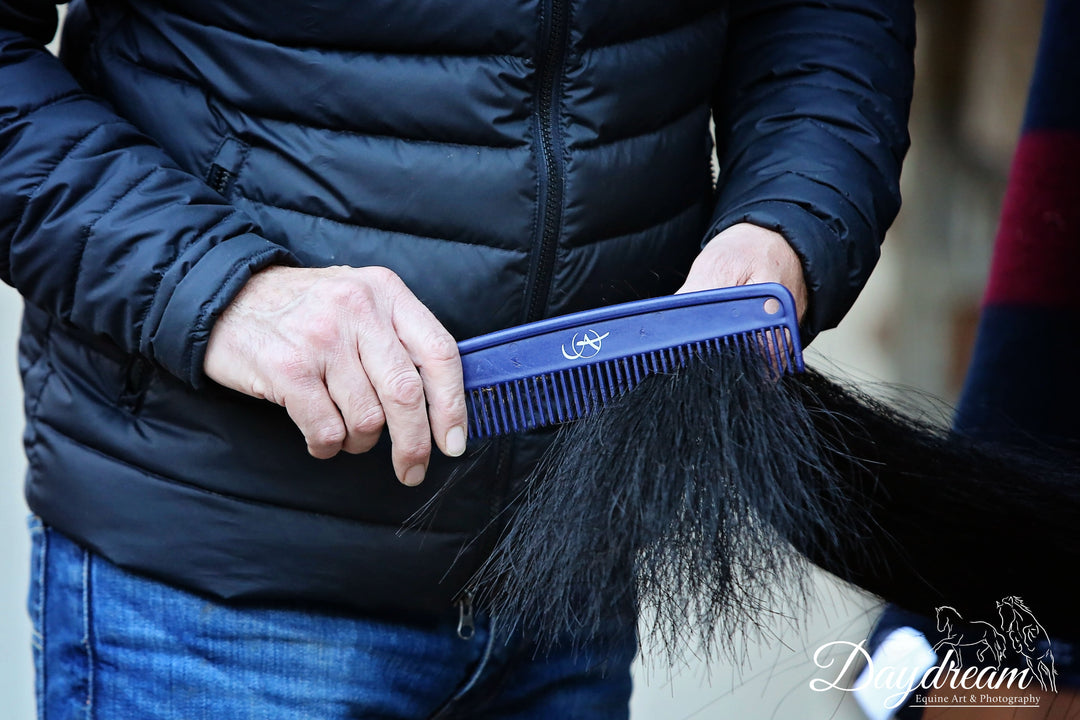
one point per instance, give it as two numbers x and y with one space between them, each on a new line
465 626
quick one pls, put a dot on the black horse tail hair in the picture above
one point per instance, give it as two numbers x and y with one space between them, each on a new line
700 496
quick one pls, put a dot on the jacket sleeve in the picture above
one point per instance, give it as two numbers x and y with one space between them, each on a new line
811 133
97 225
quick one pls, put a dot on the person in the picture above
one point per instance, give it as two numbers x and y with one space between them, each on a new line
248 236
1021 388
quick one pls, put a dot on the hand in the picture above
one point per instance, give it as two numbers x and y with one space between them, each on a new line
345 351
744 254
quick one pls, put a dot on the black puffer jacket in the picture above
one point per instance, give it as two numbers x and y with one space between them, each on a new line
508 160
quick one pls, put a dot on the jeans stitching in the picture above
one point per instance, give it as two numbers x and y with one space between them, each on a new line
86 639
37 637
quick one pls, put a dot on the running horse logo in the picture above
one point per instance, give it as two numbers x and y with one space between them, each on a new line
1029 639
1019 640
584 345
977 634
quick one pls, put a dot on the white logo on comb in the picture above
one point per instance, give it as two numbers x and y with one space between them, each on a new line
584 345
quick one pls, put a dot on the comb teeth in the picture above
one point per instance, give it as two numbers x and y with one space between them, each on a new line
561 396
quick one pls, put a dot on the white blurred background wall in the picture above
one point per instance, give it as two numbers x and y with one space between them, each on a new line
913 325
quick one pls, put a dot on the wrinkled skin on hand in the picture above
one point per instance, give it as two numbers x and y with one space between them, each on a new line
744 254
346 351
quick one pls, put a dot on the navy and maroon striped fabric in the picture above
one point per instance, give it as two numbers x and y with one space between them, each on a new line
1023 384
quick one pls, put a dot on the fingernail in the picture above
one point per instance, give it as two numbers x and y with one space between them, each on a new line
455 441
414 475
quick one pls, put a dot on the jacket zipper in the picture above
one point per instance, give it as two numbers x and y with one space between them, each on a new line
556 32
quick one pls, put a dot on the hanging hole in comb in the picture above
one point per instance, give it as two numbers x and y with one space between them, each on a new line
772 306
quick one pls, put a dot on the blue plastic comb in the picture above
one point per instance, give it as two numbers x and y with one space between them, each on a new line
558 370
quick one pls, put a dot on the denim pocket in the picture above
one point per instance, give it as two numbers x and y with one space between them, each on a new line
35 605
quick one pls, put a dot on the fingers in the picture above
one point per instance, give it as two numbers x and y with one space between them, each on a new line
416 372
414 369
316 415
401 395
356 400
434 353
347 351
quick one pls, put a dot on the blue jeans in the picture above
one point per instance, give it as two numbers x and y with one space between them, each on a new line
112 645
